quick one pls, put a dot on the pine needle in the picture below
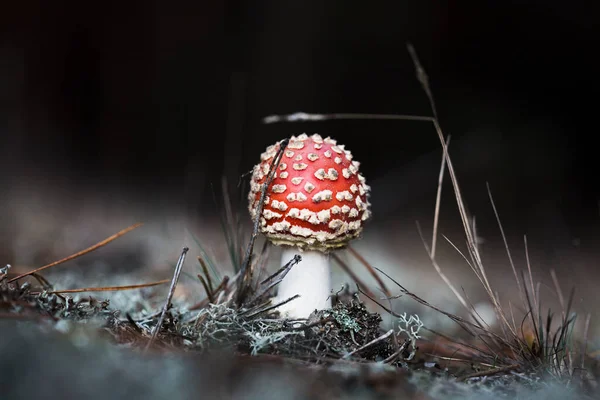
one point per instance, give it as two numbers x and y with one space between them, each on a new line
81 253
110 288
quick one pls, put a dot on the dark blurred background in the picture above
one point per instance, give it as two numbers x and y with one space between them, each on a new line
143 102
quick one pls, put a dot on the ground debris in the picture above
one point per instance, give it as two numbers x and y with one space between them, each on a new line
327 335
20 299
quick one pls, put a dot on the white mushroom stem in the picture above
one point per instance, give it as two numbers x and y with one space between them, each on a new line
310 278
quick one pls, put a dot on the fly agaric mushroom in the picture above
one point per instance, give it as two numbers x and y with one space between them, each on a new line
317 202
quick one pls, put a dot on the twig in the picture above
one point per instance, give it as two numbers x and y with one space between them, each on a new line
106 288
245 270
176 275
371 343
371 270
306 117
488 372
81 253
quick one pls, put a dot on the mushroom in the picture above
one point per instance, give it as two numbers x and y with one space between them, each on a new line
316 203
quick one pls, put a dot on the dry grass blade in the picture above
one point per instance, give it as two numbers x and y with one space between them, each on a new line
371 270
231 227
584 342
439 271
108 288
561 299
81 253
422 78
535 301
468 326
474 329
174 281
352 275
462 322
458 347
501 227
438 200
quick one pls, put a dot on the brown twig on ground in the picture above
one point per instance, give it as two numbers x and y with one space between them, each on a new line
174 281
106 288
81 253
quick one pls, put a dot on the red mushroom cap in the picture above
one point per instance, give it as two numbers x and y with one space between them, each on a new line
317 199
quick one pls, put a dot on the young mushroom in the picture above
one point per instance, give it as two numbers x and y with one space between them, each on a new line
316 203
